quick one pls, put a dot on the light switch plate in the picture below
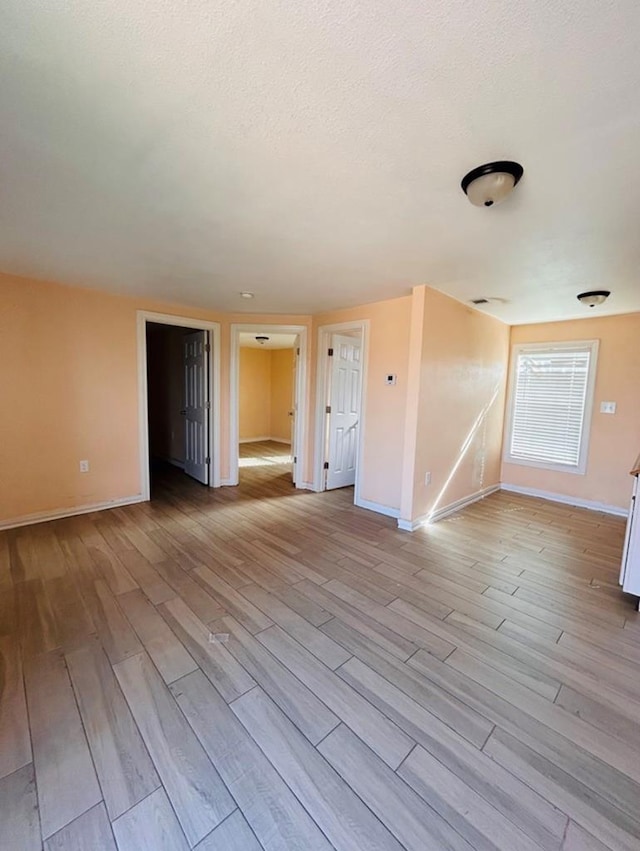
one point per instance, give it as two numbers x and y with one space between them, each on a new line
607 407
390 379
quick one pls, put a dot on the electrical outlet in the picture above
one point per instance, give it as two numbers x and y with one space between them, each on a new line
84 466
607 407
427 478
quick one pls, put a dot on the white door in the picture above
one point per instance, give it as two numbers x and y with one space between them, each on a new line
293 413
344 410
196 405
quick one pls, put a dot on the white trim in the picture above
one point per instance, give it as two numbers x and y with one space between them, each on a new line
433 517
234 393
581 468
45 516
567 500
322 379
144 316
379 508
263 439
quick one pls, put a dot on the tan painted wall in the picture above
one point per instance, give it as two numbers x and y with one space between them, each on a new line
460 410
615 439
254 416
68 389
266 385
68 384
281 393
385 405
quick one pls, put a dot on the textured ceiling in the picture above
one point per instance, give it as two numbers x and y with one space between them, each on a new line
311 152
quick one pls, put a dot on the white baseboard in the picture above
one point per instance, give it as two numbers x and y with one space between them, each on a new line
378 508
433 517
567 500
263 439
45 516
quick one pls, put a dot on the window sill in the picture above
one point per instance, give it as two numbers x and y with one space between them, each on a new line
542 465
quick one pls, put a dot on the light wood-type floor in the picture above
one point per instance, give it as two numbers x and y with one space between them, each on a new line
259 668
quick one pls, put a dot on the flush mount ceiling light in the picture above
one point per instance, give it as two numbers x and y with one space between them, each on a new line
262 339
246 295
594 297
490 184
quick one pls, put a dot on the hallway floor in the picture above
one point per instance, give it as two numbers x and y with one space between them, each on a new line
264 668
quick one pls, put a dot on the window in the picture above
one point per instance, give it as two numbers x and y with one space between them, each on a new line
550 405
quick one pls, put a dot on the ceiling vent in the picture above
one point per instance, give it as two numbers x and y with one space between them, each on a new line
479 301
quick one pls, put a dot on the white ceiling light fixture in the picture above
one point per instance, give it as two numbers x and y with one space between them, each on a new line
491 183
246 295
262 339
594 297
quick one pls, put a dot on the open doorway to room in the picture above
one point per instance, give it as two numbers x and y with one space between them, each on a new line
267 402
178 401
341 382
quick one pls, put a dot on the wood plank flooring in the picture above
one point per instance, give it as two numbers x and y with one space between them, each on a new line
263 668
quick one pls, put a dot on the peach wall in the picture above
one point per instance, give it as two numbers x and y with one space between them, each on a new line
68 384
383 437
614 439
254 415
281 393
463 368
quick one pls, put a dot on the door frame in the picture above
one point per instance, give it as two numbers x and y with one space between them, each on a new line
234 394
323 378
143 318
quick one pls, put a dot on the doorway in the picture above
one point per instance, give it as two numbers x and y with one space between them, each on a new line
340 406
178 399
267 404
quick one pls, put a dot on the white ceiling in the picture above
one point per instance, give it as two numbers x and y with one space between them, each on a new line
275 341
311 152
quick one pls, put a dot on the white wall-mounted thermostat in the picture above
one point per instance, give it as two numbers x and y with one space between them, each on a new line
390 379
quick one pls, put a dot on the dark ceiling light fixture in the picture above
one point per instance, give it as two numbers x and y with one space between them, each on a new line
594 297
262 339
490 184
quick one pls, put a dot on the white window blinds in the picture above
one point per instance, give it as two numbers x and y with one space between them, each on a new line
550 395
